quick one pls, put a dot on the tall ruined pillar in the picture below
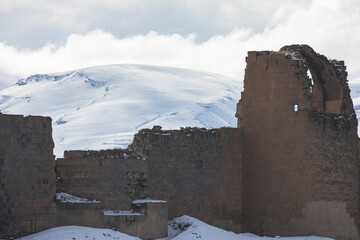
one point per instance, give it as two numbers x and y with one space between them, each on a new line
27 175
300 157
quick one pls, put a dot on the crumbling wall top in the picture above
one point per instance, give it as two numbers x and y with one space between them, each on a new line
102 154
328 79
325 79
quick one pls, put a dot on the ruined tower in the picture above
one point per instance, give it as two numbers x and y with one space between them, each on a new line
300 159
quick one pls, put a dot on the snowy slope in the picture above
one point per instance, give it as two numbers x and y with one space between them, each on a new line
78 233
102 107
6 80
355 95
182 228
196 229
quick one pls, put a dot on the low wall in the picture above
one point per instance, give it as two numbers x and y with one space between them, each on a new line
197 171
148 221
80 214
151 224
115 177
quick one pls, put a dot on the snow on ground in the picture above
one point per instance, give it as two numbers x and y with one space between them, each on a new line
78 233
186 228
182 228
102 107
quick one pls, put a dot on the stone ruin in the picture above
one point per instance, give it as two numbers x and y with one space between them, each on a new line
300 164
291 167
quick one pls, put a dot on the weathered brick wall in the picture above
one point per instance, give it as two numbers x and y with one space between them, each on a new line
300 168
27 175
197 171
115 177
152 223
81 214
149 221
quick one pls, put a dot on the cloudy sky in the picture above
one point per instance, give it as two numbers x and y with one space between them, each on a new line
43 36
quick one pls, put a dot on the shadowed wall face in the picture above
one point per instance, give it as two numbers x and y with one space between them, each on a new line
300 157
115 177
27 176
197 171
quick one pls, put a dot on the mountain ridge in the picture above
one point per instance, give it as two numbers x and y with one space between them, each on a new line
102 107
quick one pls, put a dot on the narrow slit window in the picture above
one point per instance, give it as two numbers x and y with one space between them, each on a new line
296 108
310 76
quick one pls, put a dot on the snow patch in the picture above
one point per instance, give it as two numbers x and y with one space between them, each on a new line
79 233
67 198
120 213
140 201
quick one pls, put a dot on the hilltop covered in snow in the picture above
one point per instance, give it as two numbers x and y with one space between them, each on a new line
355 95
103 107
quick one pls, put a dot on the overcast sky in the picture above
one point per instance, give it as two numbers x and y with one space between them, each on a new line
42 36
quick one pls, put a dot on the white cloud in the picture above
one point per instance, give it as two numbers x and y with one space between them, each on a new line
330 27
34 23
8 5
99 48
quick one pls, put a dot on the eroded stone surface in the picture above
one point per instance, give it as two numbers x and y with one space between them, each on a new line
197 171
27 176
318 218
115 177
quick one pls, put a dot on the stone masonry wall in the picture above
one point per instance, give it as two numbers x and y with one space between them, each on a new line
115 177
148 220
197 171
27 175
300 158
152 223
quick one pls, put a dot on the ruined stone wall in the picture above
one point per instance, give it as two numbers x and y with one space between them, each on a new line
115 177
300 157
27 175
197 171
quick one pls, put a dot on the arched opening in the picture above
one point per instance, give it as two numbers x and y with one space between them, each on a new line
325 89
325 86
328 85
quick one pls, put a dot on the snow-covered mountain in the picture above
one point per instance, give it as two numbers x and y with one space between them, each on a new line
355 95
102 107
